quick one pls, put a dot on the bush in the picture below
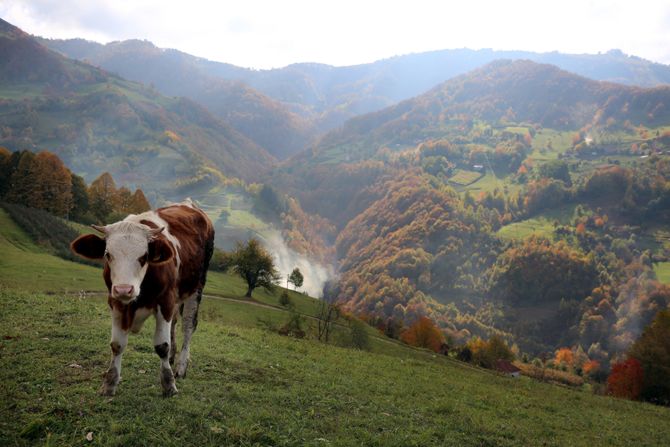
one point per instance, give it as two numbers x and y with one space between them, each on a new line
46 230
294 326
358 334
284 299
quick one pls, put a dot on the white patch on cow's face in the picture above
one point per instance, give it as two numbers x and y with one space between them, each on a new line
127 257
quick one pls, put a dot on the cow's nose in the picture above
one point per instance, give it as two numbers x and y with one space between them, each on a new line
122 290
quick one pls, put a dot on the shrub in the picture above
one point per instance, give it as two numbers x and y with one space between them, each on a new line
358 334
284 299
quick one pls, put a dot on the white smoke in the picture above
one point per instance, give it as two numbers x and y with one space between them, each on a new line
287 259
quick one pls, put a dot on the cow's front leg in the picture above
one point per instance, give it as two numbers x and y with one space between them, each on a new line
118 344
162 347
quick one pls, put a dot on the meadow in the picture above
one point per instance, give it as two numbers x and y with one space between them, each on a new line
250 386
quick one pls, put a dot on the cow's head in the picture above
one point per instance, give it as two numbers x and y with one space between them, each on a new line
128 249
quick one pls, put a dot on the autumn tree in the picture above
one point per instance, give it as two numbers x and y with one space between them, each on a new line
652 350
139 202
625 380
80 205
51 185
423 334
255 265
296 278
20 181
5 170
103 197
564 357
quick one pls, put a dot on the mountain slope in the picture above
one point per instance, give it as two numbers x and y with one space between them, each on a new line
328 95
99 122
265 121
509 91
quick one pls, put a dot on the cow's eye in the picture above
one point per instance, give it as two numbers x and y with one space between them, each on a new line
143 259
108 256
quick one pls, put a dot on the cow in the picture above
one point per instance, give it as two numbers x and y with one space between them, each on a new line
154 263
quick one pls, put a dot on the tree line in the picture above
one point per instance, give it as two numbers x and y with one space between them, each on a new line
42 181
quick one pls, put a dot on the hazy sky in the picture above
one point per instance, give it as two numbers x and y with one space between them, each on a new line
264 34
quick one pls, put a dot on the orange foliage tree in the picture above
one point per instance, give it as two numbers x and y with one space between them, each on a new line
625 380
424 334
590 367
565 357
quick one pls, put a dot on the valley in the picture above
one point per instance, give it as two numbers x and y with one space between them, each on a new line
505 200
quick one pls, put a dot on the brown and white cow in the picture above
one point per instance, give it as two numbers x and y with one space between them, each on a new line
154 263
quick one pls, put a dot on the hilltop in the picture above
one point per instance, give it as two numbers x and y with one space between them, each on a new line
96 121
264 120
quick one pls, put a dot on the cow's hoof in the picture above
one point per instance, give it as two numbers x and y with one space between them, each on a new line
109 382
171 391
180 370
106 390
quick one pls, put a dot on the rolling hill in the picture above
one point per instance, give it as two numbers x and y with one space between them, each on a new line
96 121
260 118
328 95
417 190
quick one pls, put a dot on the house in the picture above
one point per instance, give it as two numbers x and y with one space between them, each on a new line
507 368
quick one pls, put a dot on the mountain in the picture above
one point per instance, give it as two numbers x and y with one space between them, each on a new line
499 95
266 121
96 121
327 96
510 91
419 190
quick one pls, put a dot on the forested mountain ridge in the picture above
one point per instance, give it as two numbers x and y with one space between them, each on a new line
509 91
96 122
420 190
264 120
327 96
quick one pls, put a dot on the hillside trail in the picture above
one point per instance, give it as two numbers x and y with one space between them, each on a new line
250 302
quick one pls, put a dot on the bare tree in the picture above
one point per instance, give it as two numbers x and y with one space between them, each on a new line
327 314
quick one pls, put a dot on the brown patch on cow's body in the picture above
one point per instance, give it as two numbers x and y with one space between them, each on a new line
162 285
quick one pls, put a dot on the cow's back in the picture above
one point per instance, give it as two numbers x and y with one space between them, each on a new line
195 235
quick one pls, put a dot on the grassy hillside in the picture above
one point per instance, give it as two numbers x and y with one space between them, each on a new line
249 386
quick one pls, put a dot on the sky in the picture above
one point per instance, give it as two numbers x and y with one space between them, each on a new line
270 34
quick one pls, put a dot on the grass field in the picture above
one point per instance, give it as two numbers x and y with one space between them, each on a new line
249 386
464 178
541 225
662 270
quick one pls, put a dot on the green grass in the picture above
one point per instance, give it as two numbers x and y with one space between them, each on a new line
541 225
23 265
662 270
249 386
464 178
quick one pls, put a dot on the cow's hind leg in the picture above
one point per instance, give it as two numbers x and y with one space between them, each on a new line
118 344
189 322
173 338
162 347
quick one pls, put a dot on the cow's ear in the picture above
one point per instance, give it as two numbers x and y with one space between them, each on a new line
89 246
160 251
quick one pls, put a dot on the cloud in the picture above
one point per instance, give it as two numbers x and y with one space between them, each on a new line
266 34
